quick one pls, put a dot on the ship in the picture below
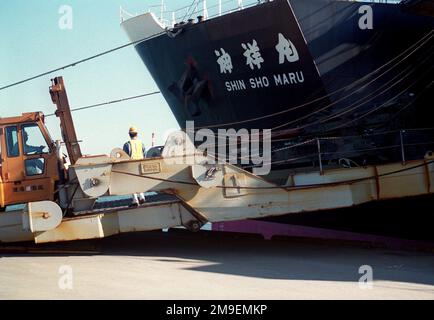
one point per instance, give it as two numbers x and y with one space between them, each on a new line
337 83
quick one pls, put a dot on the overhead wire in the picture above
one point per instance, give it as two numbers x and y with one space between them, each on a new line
328 106
414 48
75 63
374 93
418 45
110 102
359 105
158 92
374 109
314 141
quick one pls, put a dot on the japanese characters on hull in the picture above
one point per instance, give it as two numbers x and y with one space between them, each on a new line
286 53
285 48
253 55
224 60
236 67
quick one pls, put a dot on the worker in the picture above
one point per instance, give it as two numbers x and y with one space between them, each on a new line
29 149
33 166
136 150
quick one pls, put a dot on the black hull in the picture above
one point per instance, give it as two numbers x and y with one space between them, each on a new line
333 53
396 218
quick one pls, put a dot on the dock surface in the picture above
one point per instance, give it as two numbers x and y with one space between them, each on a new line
205 265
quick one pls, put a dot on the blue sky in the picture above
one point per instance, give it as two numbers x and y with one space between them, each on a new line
32 42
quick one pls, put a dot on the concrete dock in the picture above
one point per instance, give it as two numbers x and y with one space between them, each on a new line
205 265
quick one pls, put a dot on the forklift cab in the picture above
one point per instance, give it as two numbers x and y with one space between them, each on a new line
28 160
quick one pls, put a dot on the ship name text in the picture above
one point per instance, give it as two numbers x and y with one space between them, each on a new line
277 80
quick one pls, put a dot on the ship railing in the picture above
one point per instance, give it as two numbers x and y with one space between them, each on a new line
125 15
200 10
378 1
371 148
206 9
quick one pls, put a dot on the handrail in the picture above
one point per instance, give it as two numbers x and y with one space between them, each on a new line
317 147
168 18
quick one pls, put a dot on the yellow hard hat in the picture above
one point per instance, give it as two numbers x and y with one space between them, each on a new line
133 130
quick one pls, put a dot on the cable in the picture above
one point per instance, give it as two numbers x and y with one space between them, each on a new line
208 7
158 92
357 106
310 141
285 187
351 107
309 156
372 110
73 64
402 109
340 99
424 40
188 10
362 150
156 179
79 61
109 102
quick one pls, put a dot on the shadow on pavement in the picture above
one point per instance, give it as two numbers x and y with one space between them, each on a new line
249 256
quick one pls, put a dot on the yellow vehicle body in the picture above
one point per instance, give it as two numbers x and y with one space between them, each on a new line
26 173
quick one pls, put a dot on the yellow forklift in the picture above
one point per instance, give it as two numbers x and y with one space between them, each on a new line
31 163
